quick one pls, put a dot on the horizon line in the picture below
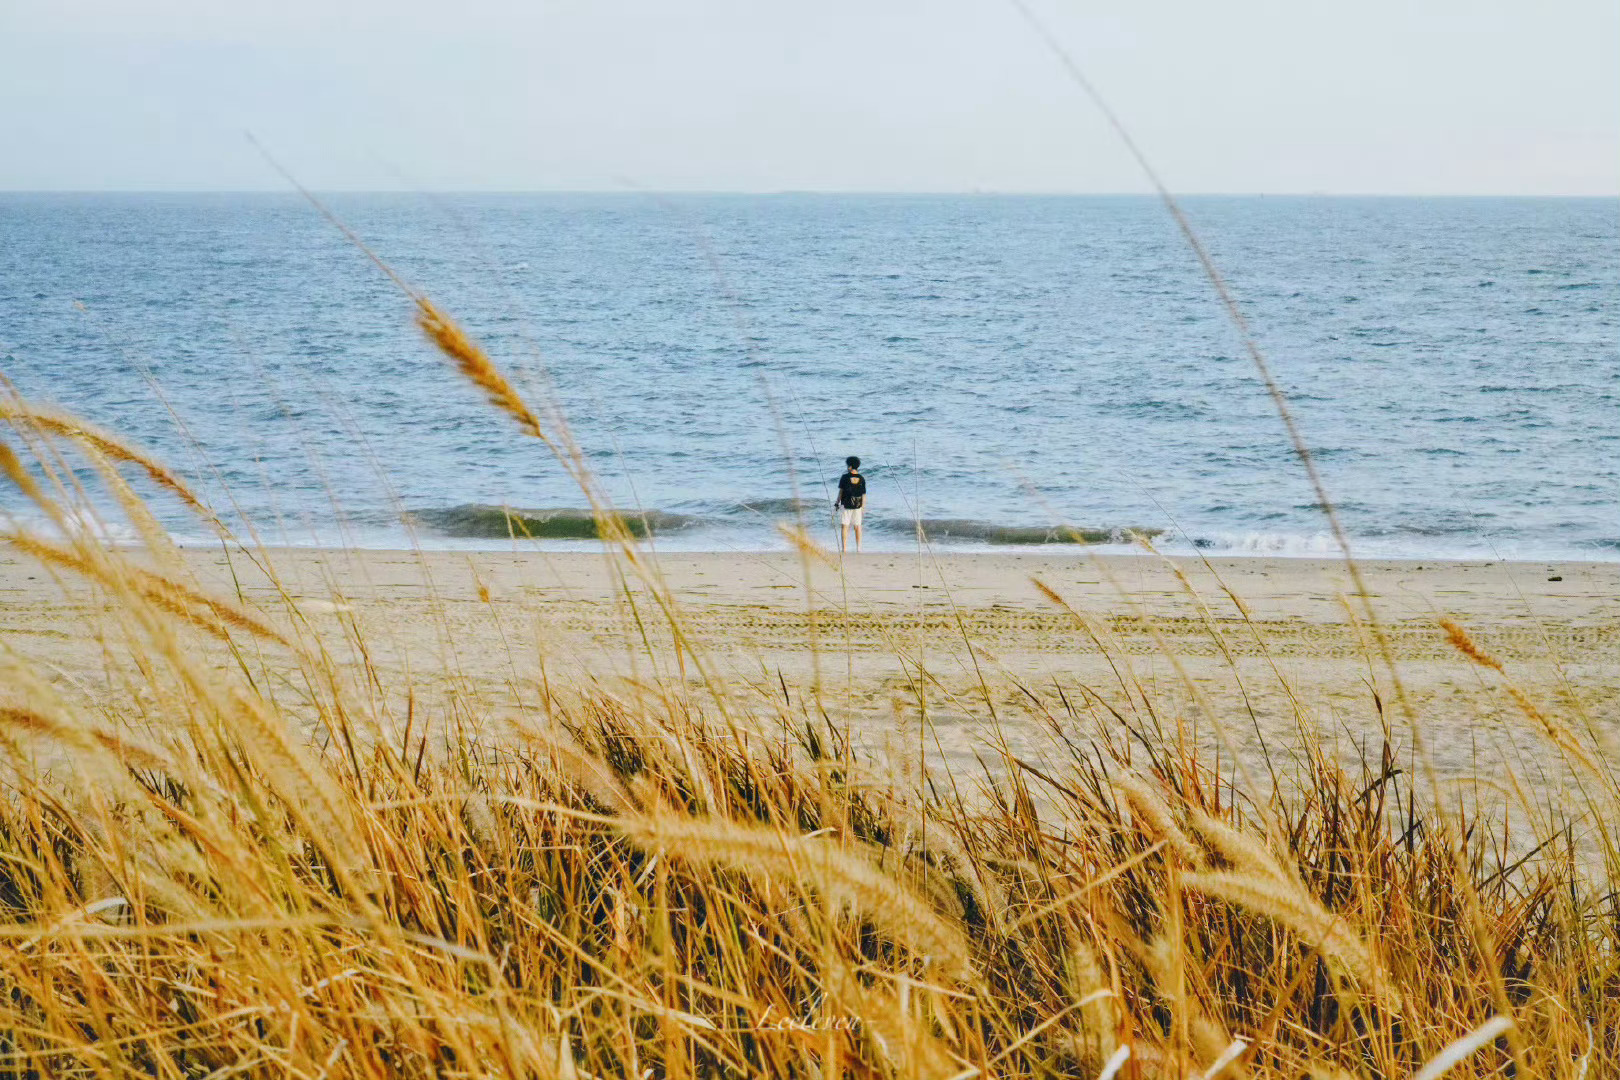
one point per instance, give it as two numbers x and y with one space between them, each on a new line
802 192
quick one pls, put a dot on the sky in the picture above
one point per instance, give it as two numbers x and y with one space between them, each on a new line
1467 97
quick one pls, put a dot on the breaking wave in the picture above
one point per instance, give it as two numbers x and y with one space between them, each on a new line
482 521
750 526
947 530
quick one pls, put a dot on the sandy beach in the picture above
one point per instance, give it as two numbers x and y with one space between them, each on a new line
881 638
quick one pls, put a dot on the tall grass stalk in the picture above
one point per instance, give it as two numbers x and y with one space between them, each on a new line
245 856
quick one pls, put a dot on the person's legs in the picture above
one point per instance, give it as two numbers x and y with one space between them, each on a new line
843 530
858 516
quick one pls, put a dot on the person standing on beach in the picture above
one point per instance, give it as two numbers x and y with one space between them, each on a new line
851 501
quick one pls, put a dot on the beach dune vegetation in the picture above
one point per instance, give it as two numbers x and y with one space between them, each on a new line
255 849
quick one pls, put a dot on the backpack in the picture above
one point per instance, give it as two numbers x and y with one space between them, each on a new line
847 498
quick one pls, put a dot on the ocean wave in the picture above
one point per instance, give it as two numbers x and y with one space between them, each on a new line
482 521
73 525
989 532
777 507
489 522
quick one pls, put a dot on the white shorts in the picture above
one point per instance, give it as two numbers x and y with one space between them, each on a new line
851 517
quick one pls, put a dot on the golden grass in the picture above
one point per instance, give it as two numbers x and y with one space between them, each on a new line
474 363
267 868
216 616
27 417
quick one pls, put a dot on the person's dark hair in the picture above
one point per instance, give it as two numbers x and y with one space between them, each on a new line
853 462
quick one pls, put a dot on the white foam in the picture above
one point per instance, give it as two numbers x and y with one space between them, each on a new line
79 525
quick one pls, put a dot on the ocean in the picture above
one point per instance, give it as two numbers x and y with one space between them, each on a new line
1004 366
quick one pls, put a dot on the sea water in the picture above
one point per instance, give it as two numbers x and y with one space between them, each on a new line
1004 366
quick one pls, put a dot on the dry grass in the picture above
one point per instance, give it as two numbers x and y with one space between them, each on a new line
474 363
268 869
